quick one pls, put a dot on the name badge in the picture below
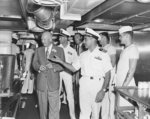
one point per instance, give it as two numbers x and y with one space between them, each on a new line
98 58
69 53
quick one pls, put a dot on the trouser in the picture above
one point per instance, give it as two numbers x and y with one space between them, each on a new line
51 99
87 95
108 106
108 103
67 79
28 84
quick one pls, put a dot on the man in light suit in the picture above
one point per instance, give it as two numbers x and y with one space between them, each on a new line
48 78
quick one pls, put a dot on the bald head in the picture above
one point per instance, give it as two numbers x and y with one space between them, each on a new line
46 38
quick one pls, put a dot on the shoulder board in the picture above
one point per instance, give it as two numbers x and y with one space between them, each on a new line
103 50
70 53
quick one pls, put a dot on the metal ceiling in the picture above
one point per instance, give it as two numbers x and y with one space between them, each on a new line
13 15
117 12
82 6
113 14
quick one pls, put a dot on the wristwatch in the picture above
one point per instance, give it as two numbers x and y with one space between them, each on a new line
105 90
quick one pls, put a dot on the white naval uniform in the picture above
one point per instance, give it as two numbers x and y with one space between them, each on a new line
131 52
70 57
93 66
109 99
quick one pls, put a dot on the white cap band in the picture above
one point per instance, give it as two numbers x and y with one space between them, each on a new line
92 32
64 32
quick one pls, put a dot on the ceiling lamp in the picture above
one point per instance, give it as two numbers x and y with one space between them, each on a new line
98 20
144 1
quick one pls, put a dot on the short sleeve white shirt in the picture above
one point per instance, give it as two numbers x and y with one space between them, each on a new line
110 49
70 54
95 63
128 53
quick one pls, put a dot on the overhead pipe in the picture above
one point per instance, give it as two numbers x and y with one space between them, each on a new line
130 17
97 11
113 6
139 27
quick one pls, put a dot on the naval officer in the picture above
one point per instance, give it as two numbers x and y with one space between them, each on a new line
95 70
66 76
109 99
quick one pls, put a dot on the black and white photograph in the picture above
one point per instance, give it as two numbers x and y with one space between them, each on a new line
74 59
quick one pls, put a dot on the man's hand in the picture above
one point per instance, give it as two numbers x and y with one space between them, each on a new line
55 59
42 68
49 65
100 95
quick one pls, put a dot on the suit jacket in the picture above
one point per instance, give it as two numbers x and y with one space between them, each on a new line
80 49
49 79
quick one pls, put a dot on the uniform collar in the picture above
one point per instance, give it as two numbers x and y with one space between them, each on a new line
95 50
106 46
129 46
64 47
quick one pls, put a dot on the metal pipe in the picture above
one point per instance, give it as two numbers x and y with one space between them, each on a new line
141 26
99 10
115 5
130 17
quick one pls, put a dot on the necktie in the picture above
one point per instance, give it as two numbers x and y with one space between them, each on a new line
47 53
78 49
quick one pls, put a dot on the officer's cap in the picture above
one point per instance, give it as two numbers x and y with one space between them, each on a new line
64 33
92 33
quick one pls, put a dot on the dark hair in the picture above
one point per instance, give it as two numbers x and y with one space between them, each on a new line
14 40
106 35
78 34
82 37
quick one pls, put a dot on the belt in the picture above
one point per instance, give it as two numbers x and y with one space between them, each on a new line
93 77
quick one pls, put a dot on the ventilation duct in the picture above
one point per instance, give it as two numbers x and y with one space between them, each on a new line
68 16
43 15
32 25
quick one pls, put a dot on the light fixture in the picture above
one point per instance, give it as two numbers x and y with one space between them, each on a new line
146 29
98 20
144 1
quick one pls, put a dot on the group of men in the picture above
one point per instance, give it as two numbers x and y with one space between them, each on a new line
96 66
